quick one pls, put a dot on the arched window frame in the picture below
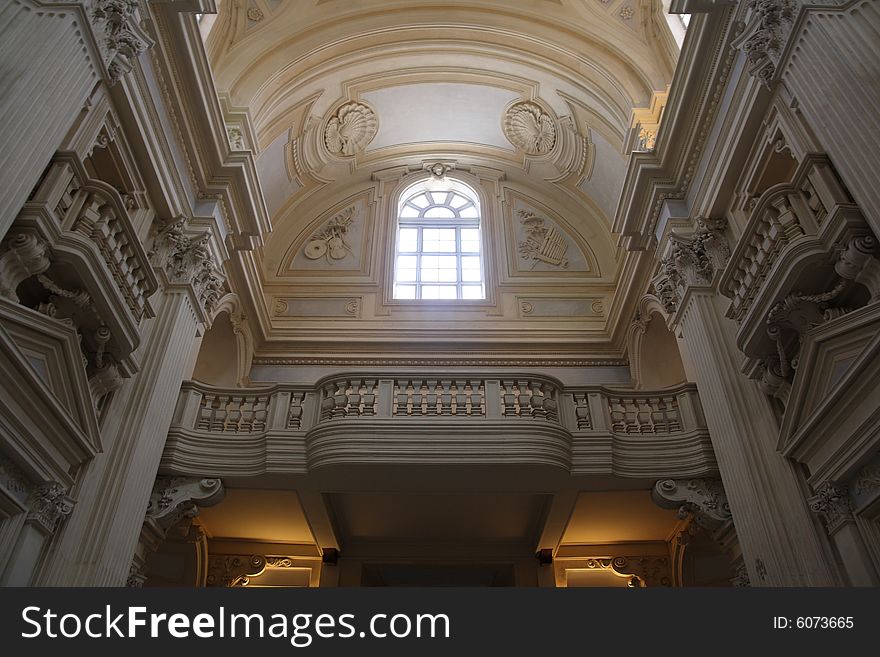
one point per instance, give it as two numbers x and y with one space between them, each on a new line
417 211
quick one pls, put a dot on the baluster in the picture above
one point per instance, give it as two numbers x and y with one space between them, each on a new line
205 412
417 397
218 422
536 400
461 398
404 397
295 411
508 399
431 397
582 411
445 397
354 397
548 402
478 397
369 397
618 414
261 413
328 403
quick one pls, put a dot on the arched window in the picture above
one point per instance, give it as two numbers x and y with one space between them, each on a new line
439 247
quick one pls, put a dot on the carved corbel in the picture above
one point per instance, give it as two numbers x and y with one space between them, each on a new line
23 255
234 570
647 571
832 503
704 499
176 498
49 504
858 262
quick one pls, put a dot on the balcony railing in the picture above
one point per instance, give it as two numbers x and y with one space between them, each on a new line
461 417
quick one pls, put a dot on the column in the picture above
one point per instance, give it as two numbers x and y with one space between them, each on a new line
780 540
777 535
97 545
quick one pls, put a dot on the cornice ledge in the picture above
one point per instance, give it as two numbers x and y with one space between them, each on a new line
222 173
654 177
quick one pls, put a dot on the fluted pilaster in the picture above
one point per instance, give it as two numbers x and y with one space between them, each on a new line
778 536
97 544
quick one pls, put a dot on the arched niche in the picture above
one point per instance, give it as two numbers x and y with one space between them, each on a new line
655 359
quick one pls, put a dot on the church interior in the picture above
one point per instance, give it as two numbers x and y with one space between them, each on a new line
533 293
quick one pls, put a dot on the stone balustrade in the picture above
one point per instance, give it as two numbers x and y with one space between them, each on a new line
779 216
350 419
98 212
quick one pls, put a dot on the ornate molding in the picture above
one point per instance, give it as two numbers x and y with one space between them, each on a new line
350 129
530 128
832 503
116 24
765 36
176 498
643 571
136 576
234 570
330 242
23 255
542 244
187 260
49 506
691 261
867 480
704 499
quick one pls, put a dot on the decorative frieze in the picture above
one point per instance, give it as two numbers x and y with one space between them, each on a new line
832 503
530 128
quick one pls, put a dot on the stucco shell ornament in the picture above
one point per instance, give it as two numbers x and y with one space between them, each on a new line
530 128
350 130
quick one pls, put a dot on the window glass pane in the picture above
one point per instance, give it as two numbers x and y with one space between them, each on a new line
469 212
409 211
406 262
430 292
420 201
430 261
408 240
471 291
448 292
470 240
406 275
404 291
439 239
448 275
446 262
458 201
439 197
439 213
470 269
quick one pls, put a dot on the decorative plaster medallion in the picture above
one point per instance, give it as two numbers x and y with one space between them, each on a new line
530 128
280 307
626 13
350 130
543 244
255 14
330 241
526 308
